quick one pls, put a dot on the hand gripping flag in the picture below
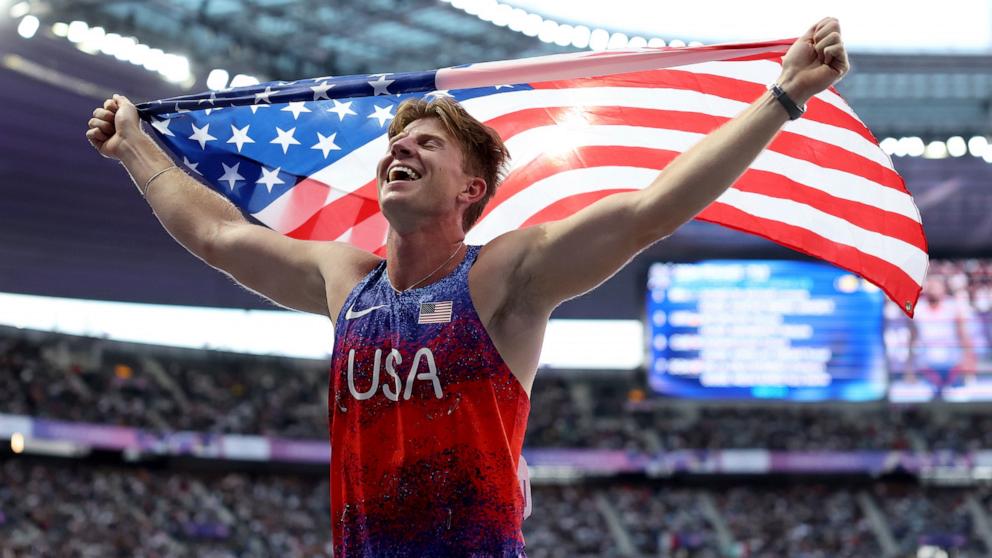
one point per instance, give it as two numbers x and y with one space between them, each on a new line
300 156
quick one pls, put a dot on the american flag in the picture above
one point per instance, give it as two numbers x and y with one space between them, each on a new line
300 156
435 312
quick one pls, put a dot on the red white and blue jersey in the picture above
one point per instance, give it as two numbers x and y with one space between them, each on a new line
427 425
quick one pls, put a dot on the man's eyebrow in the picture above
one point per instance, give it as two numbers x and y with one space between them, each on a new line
423 135
430 136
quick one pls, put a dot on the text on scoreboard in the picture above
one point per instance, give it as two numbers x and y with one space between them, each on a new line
759 329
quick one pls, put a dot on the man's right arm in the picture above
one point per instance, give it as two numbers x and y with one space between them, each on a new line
304 275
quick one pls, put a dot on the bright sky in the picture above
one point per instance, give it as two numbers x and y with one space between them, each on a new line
963 26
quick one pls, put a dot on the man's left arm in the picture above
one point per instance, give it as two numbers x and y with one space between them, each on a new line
569 257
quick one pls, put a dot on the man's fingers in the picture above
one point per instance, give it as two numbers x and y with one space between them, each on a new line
825 27
832 39
102 125
95 135
103 114
110 104
835 57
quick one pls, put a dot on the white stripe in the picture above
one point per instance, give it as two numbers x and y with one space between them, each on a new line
494 106
515 211
358 167
534 143
761 72
587 64
901 254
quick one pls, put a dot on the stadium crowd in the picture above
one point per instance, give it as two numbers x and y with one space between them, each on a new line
73 508
265 396
78 508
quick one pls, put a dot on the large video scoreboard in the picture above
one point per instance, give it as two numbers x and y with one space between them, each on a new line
755 329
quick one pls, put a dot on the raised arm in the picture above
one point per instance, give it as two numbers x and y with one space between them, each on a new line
303 275
566 258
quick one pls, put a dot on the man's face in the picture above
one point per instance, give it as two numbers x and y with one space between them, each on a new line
421 171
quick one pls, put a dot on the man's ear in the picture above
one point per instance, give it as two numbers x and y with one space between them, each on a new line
474 190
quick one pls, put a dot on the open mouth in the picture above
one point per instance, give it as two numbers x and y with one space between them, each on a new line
402 172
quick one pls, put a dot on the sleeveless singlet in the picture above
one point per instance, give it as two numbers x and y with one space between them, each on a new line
427 424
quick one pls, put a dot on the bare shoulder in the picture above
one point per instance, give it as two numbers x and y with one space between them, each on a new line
497 274
307 275
342 267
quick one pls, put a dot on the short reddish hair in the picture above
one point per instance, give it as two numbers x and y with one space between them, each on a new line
484 153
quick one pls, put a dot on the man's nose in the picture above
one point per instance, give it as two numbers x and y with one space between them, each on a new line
401 148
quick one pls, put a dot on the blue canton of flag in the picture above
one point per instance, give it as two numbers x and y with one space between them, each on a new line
253 144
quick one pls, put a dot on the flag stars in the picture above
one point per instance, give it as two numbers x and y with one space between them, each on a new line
202 135
264 95
382 114
296 108
325 143
341 109
191 165
231 175
256 107
270 178
439 94
380 85
162 126
240 137
285 138
320 90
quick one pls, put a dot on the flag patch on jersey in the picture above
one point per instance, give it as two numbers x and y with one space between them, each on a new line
435 312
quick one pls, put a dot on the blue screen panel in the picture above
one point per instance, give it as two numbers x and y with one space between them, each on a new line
756 329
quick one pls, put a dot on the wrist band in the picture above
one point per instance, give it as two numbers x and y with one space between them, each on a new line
144 193
794 110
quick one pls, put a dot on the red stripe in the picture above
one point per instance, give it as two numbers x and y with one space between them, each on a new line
728 88
762 182
335 218
795 145
866 216
890 278
567 206
303 197
370 233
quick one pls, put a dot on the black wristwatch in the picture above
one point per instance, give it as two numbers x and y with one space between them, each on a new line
794 110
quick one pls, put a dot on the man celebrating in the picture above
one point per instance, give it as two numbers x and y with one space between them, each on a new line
436 346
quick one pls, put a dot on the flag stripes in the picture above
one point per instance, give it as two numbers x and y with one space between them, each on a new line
823 186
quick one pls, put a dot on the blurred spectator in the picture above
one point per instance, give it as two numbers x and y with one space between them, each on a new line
803 521
929 517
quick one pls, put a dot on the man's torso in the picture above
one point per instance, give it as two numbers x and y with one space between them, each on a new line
426 421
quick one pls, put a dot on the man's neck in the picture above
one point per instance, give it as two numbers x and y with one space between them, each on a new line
420 257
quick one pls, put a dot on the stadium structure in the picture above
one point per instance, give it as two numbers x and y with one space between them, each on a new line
146 409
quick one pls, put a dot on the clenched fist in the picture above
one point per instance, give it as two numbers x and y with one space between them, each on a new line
814 62
113 126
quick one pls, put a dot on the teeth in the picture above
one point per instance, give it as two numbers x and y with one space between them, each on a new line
400 172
